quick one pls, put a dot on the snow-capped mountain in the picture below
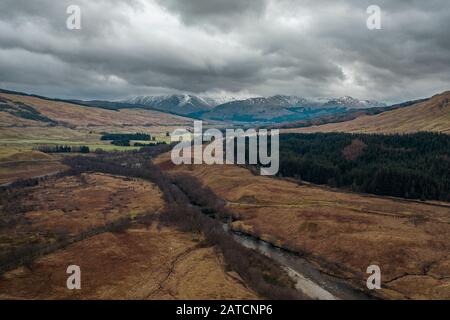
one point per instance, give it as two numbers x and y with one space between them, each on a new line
275 108
218 100
184 104
285 108
178 103
353 103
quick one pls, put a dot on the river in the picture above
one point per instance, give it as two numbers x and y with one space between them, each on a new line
308 279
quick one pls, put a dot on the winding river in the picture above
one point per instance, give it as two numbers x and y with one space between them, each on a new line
308 279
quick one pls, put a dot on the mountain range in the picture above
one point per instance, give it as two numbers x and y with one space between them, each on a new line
21 110
274 109
278 108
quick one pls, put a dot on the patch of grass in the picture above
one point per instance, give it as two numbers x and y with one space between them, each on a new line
9 145
111 147
6 152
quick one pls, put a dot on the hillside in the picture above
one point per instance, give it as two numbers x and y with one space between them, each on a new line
29 110
281 108
340 232
27 121
139 261
431 115
278 108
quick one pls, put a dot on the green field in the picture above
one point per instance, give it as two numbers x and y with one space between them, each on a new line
9 145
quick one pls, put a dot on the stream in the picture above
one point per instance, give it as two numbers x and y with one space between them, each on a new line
308 279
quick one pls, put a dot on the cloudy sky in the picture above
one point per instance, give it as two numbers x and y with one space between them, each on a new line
233 47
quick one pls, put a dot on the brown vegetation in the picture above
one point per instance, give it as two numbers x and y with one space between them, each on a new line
342 233
190 214
12 171
87 219
211 266
353 150
80 116
137 264
19 164
61 208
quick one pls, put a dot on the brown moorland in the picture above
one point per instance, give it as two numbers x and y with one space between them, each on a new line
81 116
25 164
139 263
65 207
342 233
27 122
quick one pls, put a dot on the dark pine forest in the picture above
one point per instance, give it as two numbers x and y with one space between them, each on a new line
414 166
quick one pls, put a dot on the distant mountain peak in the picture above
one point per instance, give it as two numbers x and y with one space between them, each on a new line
184 104
250 109
279 108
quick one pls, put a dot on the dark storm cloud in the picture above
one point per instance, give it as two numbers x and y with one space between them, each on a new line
263 47
216 13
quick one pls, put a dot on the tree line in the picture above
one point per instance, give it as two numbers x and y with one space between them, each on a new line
63 149
414 166
126 136
124 139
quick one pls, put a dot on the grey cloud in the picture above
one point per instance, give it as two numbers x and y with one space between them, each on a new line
264 47
216 13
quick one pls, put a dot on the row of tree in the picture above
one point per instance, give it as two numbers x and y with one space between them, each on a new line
63 149
126 136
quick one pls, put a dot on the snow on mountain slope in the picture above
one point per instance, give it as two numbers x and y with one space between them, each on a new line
180 104
281 108
275 108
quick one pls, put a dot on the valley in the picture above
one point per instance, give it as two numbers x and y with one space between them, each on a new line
151 233
340 233
114 238
28 123
235 158
74 124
